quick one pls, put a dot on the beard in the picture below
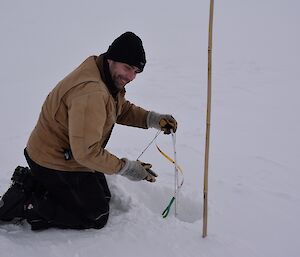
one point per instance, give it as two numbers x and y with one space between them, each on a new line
119 81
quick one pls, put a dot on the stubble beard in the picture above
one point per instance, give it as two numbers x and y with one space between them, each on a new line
118 82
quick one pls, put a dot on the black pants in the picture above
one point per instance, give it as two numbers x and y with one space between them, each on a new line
66 199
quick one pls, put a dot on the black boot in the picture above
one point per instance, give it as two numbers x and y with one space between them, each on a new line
23 177
12 204
13 201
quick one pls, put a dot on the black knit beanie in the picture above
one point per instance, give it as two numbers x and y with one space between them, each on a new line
128 48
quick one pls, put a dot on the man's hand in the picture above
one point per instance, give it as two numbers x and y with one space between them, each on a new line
163 122
137 170
151 176
168 123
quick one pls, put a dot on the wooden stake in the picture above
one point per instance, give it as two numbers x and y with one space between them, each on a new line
208 114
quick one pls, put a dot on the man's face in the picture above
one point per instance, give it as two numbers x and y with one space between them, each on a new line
122 73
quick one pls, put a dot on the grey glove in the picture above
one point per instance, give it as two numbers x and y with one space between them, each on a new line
137 170
164 122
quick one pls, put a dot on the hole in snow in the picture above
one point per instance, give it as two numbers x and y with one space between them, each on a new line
155 197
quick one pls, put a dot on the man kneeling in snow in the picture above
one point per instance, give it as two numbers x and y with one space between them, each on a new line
65 185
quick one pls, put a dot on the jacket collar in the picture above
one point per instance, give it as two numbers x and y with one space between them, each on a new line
103 67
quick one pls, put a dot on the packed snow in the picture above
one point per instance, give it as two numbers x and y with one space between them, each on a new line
254 202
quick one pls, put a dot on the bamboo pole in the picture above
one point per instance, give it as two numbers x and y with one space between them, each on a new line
208 115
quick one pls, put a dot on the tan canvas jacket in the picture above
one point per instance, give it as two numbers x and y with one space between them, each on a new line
79 114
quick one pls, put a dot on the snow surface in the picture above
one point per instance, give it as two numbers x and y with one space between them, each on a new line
254 202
